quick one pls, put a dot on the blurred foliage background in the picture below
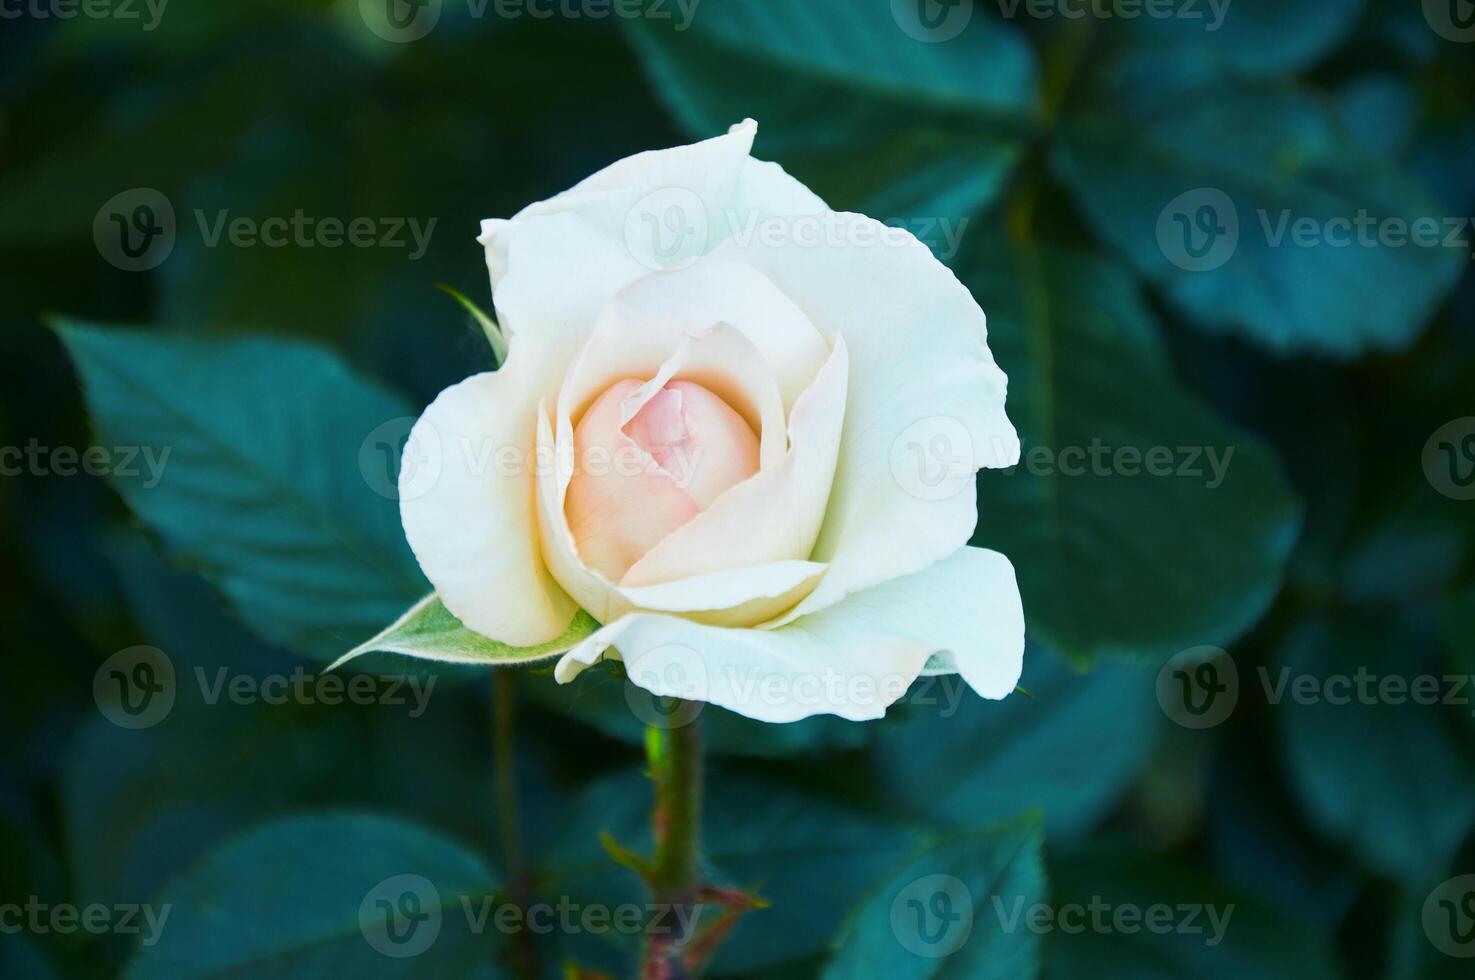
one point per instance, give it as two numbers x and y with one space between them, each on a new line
1046 158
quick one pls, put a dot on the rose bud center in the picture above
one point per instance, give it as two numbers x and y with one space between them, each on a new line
643 470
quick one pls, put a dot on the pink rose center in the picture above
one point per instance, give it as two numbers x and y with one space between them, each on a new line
638 477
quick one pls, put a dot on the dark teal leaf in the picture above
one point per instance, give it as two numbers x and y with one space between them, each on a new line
1117 560
1212 223
939 916
988 761
1241 939
269 486
301 898
21 960
1260 36
826 78
1394 781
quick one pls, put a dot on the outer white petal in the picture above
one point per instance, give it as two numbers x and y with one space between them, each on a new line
650 211
467 513
853 659
923 384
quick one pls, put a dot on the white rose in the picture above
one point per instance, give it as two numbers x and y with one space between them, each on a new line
741 430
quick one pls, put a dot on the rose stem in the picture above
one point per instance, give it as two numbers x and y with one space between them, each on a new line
504 772
675 758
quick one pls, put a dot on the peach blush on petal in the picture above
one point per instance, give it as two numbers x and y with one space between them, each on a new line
647 463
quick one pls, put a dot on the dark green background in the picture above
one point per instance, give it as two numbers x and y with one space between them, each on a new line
1060 142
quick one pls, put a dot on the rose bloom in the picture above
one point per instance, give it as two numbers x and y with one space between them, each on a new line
740 430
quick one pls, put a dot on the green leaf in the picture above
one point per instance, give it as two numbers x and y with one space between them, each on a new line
939 916
986 762
1394 781
279 478
824 78
1213 933
428 630
1259 36
323 895
1214 224
1114 558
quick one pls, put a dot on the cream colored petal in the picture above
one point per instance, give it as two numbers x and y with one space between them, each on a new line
466 499
926 400
853 659
774 516
729 597
644 322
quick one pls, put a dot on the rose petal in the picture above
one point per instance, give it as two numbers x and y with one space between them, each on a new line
853 659
774 516
920 370
465 510
643 323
